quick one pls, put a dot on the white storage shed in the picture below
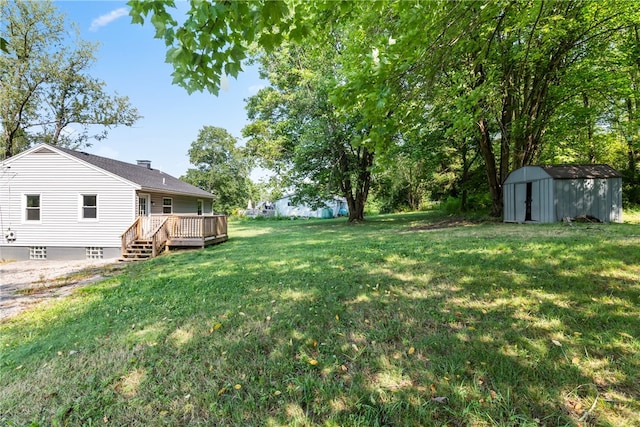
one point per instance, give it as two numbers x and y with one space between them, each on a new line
546 194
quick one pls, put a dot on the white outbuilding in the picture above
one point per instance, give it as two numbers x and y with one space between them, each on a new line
546 194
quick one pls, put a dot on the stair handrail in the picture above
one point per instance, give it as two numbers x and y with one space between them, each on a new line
159 237
130 235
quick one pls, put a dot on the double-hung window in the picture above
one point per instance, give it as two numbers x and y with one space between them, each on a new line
32 207
167 205
89 208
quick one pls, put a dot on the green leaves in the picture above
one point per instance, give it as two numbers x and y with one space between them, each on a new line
220 167
46 86
502 78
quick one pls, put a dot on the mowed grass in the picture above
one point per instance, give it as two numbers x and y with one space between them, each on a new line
391 322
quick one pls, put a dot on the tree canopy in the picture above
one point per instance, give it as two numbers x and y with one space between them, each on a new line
492 85
46 92
220 168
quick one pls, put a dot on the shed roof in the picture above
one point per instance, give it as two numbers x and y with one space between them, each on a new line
147 178
581 171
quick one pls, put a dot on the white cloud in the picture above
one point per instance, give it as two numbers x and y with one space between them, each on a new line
108 18
255 88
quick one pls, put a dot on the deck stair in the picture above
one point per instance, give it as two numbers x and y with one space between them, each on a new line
138 250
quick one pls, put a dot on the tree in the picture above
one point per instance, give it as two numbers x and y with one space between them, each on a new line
297 130
511 70
44 85
506 68
221 168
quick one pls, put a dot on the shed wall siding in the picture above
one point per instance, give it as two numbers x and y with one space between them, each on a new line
601 198
508 202
60 182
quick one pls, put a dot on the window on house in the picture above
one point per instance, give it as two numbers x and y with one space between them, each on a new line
89 206
33 207
167 205
199 207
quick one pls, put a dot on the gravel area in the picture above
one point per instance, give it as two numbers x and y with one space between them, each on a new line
23 284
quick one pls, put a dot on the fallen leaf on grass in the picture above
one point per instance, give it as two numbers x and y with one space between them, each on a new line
440 399
313 362
411 350
221 391
237 386
575 360
556 343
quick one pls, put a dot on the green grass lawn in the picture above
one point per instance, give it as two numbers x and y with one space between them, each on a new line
391 322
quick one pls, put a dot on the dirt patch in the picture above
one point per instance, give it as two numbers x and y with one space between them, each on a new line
447 223
24 284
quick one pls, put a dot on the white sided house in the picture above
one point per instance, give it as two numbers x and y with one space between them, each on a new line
546 194
285 207
57 203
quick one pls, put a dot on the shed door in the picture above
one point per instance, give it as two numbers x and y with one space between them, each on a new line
527 202
520 198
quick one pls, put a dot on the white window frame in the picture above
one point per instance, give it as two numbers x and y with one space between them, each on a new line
25 218
81 207
169 206
200 207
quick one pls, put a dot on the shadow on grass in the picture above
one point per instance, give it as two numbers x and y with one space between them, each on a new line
326 323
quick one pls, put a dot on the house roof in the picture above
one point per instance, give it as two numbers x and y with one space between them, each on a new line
581 171
148 179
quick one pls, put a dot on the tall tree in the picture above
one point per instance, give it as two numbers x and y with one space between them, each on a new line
298 130
221 168
45 88
510 68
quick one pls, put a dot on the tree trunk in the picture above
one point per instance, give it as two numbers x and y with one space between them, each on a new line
357 194
495 186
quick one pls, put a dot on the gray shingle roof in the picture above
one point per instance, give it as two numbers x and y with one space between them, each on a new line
581 171
148 179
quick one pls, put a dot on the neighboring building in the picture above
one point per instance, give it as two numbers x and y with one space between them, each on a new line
57 203
335 207
546 194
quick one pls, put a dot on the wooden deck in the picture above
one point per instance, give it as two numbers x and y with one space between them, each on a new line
163 232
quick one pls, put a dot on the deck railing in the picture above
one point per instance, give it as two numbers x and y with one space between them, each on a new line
159 237
197 226
177 230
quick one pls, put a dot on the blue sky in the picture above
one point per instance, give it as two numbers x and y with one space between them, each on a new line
131 62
